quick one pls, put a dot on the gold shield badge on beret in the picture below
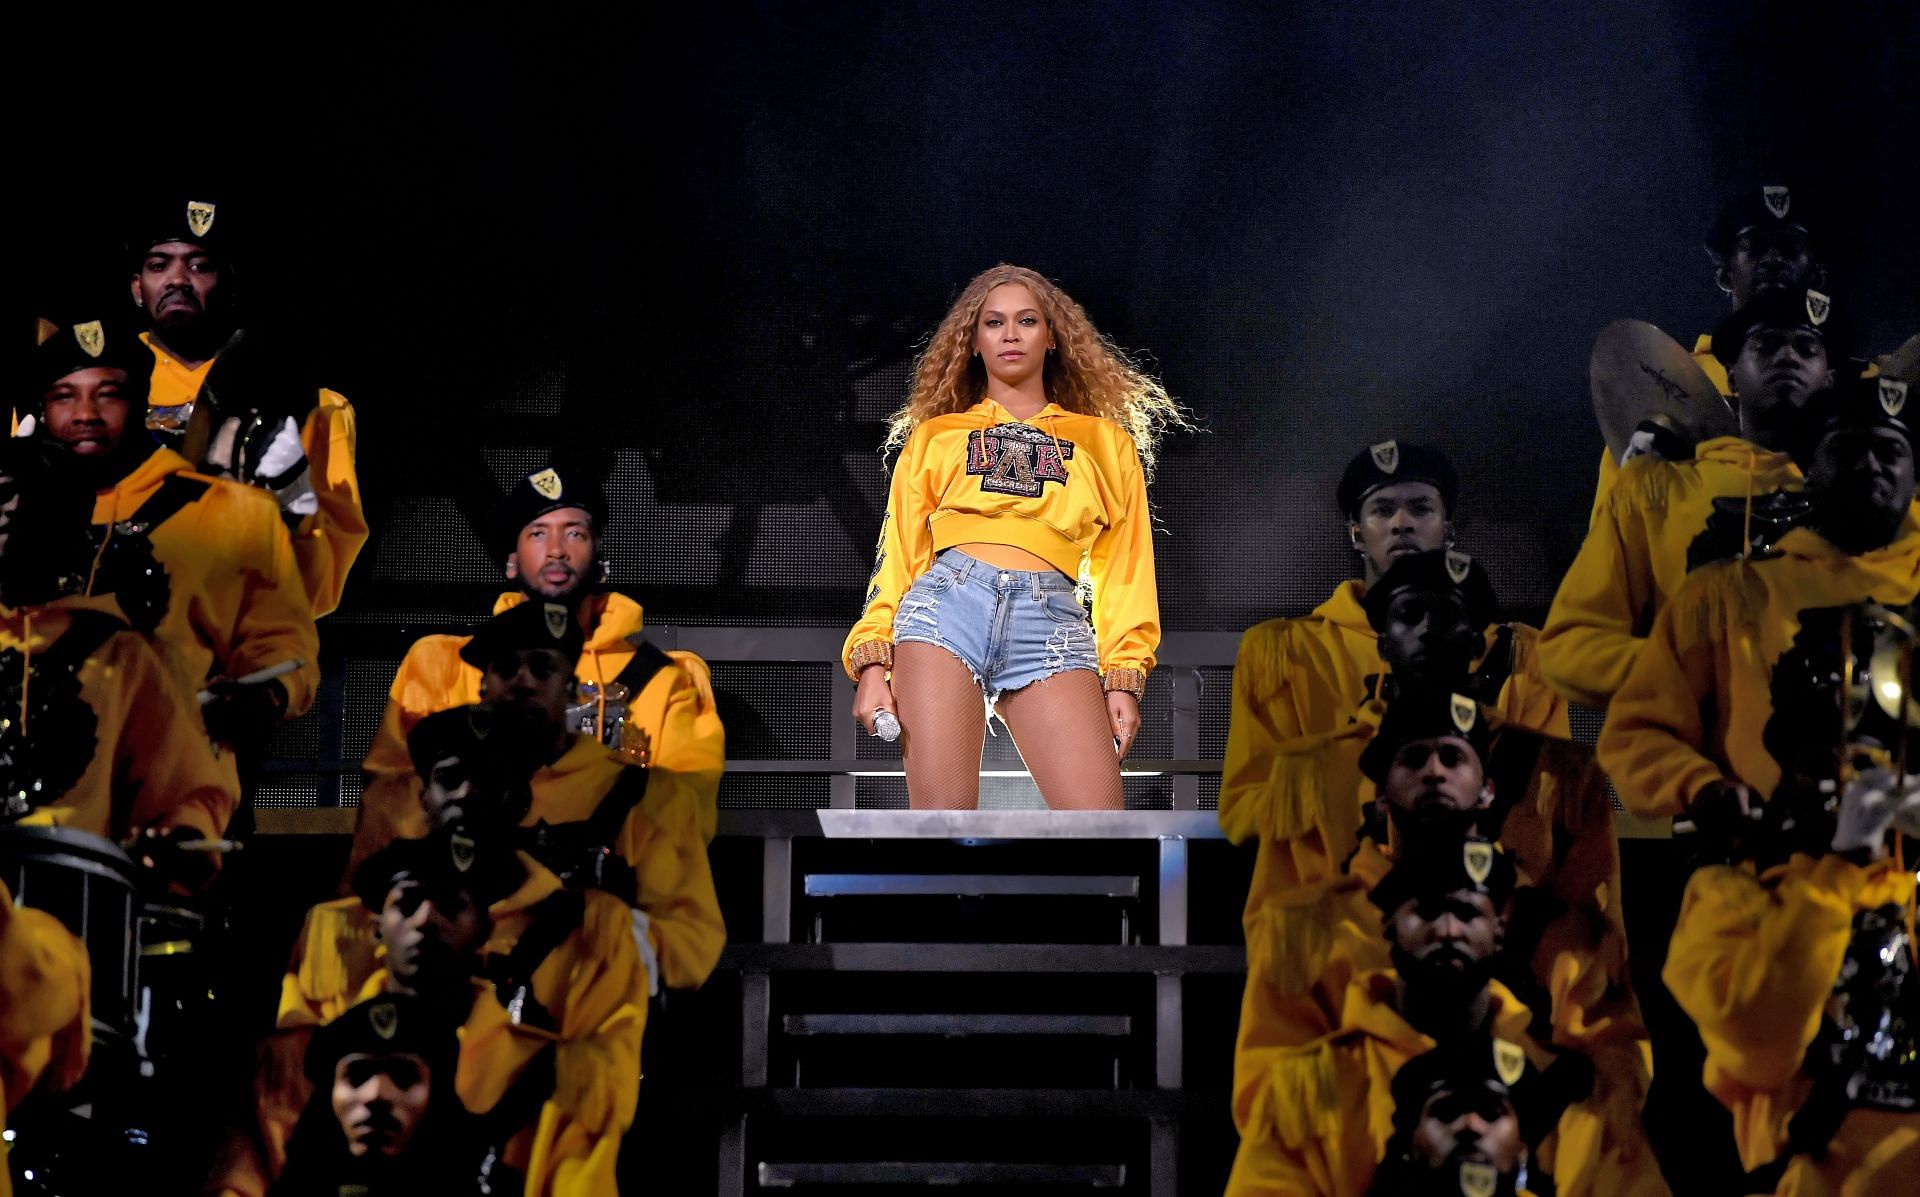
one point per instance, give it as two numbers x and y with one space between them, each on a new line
1819 306
91 337
1778 200
1509 1061
1457 566
1465 712
546 484
1476 856
556 620
462 850
1386 455
1893 395
199 217
1478 1179
384 1018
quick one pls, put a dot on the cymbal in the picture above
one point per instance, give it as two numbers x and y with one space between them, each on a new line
1904 362
1639 373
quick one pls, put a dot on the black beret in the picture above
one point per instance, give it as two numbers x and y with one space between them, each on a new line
390 1024
1752 207
446 860
1876 402
1795 308
1425 870
1470 1063
1390 462
549 489
86 335
1434 570
1423 714
457 731
200 218
530 625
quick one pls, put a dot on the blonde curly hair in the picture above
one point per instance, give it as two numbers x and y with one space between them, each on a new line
1087 373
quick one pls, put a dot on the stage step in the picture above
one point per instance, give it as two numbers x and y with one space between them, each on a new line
956 1026
1085 1176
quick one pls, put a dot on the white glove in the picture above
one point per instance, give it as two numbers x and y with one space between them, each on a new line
1869 805
282 454
644 942
26 426
1640 444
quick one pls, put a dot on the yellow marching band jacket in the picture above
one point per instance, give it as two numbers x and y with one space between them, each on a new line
46 1022
676 709
1312 933
597 984
1065 487
1718 639
1755 962
234 600
593 984
326 542
142 760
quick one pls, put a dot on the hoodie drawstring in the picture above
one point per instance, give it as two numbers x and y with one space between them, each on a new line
26 667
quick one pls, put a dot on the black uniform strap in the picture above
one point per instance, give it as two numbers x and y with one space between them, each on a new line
175 493
582 852
552 919
647 661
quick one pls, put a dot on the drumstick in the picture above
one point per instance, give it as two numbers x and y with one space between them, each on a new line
208 845
257 676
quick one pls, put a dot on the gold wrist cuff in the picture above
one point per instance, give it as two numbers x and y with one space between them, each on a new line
1133 681
871 652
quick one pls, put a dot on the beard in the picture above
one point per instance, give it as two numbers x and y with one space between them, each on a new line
1433 820
1445 978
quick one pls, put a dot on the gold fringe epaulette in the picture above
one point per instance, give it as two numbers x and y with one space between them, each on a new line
333 930
1289 945
1299 786
1263 665
1301 1094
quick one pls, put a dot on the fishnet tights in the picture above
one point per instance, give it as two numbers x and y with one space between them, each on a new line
1060 725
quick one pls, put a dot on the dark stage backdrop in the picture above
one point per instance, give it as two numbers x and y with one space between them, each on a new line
703 246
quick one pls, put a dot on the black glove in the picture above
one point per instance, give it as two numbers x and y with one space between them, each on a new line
173 865
244 716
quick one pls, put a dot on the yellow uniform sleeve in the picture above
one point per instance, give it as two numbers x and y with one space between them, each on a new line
905 552
692 747
163 755
327 542
1609 473
676 892
46 1022
1526 699
428 680
1262 720
1599 614
1126 596
273 619
576 1140
1753 965
1652 743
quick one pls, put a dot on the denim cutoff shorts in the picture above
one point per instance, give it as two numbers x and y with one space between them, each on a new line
1010 627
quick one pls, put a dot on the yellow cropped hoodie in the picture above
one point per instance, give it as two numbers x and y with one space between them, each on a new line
1065 487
